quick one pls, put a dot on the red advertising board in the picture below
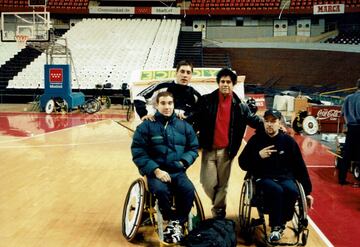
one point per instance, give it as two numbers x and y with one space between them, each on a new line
259 99
329 117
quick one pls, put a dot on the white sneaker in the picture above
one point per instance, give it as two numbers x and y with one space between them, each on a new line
276 233
173 232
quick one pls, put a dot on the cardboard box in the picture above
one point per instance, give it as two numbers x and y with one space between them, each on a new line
300 104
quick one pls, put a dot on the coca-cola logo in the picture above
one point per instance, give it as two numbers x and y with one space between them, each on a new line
331 114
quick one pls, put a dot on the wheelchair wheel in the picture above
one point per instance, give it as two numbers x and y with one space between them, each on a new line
297 125
356 170
310 125
129 112
107 101
247 192
133 209
91 106
196 214
50 106
300 221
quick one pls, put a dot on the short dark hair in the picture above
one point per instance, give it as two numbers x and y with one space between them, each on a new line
184 63
226 72
358 83
163 94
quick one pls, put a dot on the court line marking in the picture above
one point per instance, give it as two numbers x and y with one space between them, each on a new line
320 233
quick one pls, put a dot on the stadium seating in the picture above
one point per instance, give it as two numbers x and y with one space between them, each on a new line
308 4
52 5
235 4
115 48
345 37
8 50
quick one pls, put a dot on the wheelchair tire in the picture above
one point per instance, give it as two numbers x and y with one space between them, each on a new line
50 106
107 101
300 221
356 170
310 125
304 238
297 125
247 192
91 106
133 209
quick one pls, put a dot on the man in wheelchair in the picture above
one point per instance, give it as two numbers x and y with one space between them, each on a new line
162 150
274 160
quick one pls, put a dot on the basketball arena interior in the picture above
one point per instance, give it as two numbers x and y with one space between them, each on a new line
69 72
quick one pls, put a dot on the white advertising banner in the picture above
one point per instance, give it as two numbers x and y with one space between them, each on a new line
324 9
165 11
111 10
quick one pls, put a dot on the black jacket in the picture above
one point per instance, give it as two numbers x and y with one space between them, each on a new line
185 97
287 162
205 118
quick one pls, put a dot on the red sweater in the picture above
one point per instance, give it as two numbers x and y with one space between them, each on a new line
221 133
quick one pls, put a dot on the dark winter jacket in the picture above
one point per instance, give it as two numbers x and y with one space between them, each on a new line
162 144
287 162
205 119
185 97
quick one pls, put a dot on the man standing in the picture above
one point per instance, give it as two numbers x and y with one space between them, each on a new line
221 119
274 159
185 95
351 112
162 150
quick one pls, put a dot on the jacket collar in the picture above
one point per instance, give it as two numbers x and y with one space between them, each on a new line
163 119
235 98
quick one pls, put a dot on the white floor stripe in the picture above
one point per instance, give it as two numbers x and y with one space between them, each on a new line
320 233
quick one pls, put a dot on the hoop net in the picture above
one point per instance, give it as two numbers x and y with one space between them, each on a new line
21 39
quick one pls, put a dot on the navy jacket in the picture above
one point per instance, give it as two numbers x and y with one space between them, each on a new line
162 144
287 162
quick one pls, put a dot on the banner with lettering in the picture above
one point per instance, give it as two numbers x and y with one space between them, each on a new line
203 80
259 99
323 9
111 10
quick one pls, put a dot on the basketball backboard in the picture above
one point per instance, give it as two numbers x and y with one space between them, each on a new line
32 26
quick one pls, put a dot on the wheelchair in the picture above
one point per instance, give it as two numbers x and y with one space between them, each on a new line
249 199
141 209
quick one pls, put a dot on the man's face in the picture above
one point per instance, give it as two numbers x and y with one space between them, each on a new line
272 125
225 85
183 75
165 105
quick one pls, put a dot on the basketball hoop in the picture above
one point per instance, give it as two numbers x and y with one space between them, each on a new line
21 39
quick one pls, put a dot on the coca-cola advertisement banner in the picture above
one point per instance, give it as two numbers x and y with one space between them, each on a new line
326 114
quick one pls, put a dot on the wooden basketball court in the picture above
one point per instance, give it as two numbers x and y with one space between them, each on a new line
67 187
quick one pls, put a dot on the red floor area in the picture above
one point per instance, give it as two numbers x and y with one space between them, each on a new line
30 124
336 210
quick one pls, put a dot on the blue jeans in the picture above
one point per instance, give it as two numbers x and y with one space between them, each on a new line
181 188
279 199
